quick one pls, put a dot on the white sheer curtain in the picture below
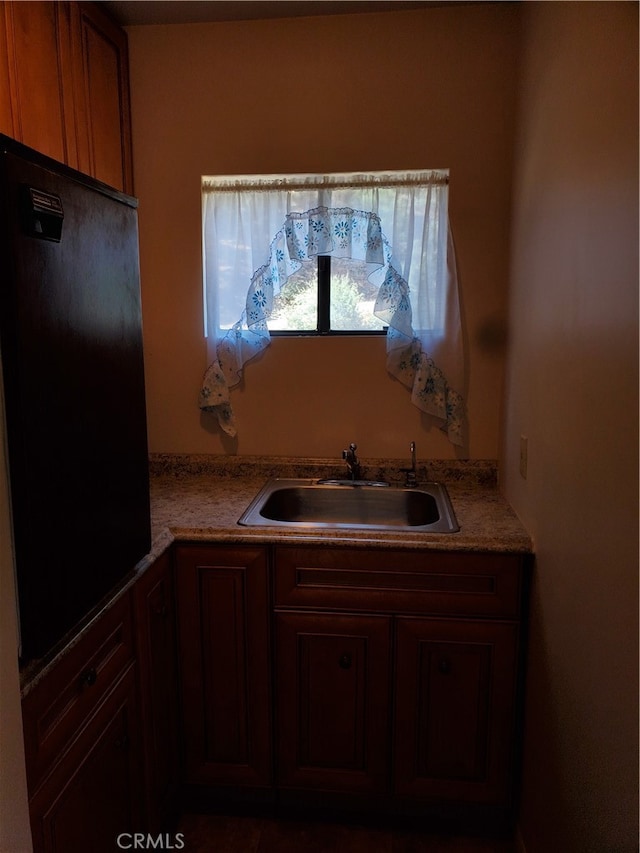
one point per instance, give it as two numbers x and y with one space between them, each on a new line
257 231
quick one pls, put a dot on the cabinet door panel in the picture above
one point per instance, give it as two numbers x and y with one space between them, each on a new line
7 124
103 112
455 692
59 704
333 688
38 34
454 714
224 657
332 671
93 794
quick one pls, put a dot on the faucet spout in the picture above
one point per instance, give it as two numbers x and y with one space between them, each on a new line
353 465
412 476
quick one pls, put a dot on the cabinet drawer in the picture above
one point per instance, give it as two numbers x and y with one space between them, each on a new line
61 703
441 582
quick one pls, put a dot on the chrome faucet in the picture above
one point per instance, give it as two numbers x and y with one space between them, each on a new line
412 477
353 465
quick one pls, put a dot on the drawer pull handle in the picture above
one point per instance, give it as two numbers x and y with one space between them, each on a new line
89 676
444 666
345 661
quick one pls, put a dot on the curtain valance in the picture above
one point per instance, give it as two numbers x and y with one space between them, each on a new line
333 180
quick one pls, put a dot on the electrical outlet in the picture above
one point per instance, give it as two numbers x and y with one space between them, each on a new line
524 455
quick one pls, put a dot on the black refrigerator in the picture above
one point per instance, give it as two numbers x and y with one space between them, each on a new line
73 391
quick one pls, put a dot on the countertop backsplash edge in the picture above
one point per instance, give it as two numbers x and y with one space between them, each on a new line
481 472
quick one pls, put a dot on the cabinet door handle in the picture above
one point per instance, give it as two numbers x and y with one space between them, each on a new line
89 676
345 661
444 666
162 611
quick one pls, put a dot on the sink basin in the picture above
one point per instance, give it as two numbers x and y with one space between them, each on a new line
308 503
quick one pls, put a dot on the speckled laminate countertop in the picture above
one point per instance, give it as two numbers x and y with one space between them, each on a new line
201 501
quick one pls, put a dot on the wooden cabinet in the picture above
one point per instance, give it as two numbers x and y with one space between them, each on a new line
82 741
39 77
333 701
6 107
391 684
157 664
103 112
395 675
223 630
93 793
442 664
64 86
454 709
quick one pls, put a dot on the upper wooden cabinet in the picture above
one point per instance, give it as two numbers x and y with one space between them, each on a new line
64 86
103 113
39 79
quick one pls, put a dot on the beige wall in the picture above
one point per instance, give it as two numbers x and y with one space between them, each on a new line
573 390
424 88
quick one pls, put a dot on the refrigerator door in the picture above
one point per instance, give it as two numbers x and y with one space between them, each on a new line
71 338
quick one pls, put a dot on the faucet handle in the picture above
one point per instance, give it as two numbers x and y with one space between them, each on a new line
351 459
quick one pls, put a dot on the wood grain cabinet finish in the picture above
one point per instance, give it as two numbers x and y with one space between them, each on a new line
154 601
395 674
223 630
103 111
450 655
94 793
333 701
64 86
82 741
455 685
446 582
38 77
67 696
6 106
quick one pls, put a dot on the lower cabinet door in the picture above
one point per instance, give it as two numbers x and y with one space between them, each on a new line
332 673
93 795
224 653
454 710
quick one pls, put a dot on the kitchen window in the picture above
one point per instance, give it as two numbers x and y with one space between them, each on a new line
333 254
327 296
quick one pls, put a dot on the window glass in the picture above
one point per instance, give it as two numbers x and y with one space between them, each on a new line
295 309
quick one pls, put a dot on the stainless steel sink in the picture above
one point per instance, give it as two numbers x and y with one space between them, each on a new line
310 503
